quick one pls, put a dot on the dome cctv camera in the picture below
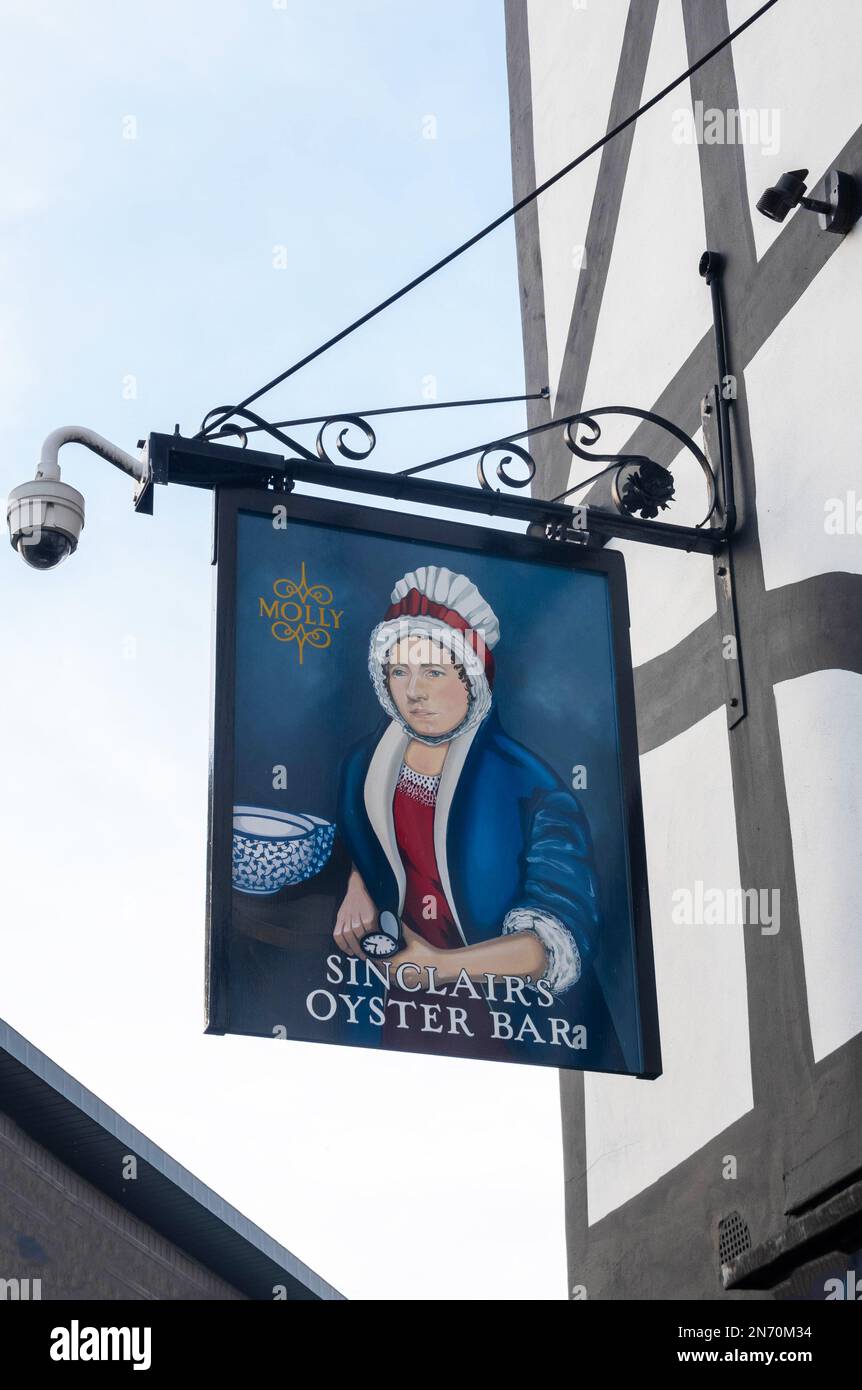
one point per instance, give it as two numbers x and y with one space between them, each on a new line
45 519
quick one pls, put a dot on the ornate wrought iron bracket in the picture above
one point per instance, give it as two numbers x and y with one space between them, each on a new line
636 488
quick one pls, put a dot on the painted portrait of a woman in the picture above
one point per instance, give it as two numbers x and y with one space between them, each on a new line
468 852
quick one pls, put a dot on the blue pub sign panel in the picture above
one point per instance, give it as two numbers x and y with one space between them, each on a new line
426 830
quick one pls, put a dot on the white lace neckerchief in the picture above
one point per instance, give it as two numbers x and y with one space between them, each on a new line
420 786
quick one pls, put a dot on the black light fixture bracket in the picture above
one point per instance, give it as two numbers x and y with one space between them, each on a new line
837 212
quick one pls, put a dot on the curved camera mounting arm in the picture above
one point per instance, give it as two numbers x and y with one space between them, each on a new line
49 466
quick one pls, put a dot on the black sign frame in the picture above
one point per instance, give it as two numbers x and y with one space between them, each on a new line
229 503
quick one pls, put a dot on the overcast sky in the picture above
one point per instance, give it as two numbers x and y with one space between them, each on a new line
141 287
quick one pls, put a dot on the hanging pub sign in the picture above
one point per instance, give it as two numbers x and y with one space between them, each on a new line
425 829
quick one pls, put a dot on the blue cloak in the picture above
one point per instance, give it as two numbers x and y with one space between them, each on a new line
508 833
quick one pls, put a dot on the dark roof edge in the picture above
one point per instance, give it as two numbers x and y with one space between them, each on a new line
53 1082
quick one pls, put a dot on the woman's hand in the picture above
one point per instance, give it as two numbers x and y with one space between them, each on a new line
356 917
416 952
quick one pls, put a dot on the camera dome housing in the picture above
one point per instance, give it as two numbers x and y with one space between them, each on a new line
45 520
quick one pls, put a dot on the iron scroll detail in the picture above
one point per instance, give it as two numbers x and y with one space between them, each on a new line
509 449
348 422
640 487
624 505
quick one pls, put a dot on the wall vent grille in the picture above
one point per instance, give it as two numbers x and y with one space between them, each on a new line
734 1238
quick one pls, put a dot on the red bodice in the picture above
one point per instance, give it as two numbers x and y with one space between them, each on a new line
426 910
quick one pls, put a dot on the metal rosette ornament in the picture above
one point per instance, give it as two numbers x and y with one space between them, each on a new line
642 487
639 486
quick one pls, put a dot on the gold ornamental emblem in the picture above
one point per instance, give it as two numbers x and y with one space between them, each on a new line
301 613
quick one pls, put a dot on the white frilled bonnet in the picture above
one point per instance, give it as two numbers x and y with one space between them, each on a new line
446 607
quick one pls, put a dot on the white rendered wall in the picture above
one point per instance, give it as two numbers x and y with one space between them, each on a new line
799 63
802 387
572 85
803 393
670 592
638 1130
819 717
797 69
655 306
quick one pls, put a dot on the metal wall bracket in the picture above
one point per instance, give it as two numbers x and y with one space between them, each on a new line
731 652
198 463
725 597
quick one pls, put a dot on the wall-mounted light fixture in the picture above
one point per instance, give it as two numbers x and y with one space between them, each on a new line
837 212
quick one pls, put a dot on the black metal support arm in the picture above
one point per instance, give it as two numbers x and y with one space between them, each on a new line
175 459
639 487
711 268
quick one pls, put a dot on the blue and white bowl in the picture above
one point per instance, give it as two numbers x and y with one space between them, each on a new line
275 849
